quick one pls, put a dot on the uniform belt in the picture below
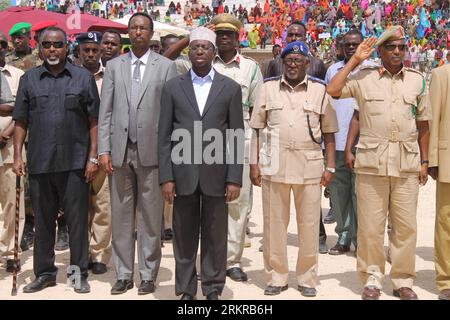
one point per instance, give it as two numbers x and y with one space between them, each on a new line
393 136
293 145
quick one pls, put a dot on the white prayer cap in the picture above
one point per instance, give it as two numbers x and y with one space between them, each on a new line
202 33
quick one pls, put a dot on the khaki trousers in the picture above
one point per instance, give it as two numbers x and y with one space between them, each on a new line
100 219
8 211
442 236
378 195
276 212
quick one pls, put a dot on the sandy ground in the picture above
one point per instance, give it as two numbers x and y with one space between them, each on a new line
338 278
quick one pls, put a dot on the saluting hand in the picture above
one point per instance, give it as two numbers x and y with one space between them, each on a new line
232 192
106 163
365 49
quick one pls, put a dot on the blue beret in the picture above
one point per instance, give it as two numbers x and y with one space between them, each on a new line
295 47
93 36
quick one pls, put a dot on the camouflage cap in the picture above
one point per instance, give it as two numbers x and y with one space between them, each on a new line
393 33
19 29
227 22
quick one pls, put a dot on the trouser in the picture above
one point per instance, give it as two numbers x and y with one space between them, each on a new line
343 197
276 212
8 210
377 197
238 212
100 219
194 214
136 204
49 192
442 236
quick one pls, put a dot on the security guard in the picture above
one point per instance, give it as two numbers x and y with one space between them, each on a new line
294 111
22 57
99 202
9 83
246 72
391 159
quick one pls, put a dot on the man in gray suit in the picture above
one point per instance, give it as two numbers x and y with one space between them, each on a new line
203 171
127 146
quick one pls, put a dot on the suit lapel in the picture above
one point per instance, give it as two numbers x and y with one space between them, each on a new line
126 74
188 88
148 73
216 88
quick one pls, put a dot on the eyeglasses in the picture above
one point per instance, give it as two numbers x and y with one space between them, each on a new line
55 44
4 44
296 61
200 47
392 47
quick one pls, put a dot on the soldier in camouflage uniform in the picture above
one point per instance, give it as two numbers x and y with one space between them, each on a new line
22 56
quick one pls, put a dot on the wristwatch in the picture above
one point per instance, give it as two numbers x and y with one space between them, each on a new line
332 170
425 162
94 161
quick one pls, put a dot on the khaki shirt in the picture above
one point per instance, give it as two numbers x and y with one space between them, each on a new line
12 76
23 62
288 153
389 106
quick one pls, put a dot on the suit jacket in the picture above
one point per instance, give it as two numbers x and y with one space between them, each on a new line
179 110
115 99
439 151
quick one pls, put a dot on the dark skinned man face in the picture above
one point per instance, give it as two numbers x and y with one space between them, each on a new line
226 40
392 54
54 48
351 42
168 42
201 53
295 32
295 65
90 54
21 43
110 46
3 49
140 32
276 52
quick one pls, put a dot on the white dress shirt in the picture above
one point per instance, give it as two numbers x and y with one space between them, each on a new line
202 86
143 59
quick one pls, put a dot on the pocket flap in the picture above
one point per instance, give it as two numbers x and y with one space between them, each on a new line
412 147
374 95
410 99
443 144
275 105
314 155
367 145
311 107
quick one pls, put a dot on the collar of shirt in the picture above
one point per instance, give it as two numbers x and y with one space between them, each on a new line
237 59
208 78
303 82
101 70
143 59
68 67
5 69
382 71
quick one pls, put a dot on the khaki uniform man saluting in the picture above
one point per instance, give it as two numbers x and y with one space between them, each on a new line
393 120
294 110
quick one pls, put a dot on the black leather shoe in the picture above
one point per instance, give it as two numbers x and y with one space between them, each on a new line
307 292
187 296
274 290
212 296
40 283
146 287
84 286
121 286
27 238
323 247
10 265
339 249
62 239
237 274
99 268
168 234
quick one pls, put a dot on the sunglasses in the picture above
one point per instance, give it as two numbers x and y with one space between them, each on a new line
55 44
4 44
296 61
392 47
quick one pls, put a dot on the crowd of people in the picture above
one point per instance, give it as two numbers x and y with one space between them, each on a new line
100 153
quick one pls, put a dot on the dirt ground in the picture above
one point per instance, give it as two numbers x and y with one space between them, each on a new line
337 274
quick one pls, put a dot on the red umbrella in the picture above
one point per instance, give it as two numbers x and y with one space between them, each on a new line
71 23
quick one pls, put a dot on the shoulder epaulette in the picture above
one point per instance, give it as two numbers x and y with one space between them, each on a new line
249 58
272 78
416 71
314 79
369 66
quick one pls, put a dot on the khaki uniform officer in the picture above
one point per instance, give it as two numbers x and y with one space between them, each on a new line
10 77
22 57
440 170
100 203
294 110
393 121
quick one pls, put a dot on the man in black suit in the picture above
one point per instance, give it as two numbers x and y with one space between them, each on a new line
197 175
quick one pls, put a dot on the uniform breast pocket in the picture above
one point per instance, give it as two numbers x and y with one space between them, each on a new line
409 157
39 103
73 100
410 111
274 113
312 112
314 164
374 102
367 155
